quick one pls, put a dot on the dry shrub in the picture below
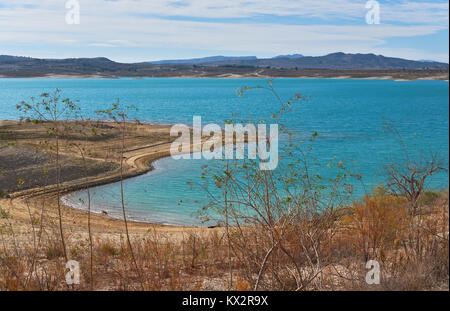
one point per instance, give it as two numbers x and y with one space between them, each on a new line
376 226
373 224
242 285
106 248
54 250
413 251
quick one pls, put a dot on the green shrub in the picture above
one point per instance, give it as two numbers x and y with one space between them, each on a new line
429 197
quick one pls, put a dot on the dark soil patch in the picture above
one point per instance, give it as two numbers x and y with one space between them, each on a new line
25 167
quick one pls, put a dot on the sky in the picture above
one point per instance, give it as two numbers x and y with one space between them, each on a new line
145 30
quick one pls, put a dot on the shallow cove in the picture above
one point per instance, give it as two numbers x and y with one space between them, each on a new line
163 191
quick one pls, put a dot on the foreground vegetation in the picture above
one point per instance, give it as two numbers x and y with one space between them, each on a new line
412 252
287 229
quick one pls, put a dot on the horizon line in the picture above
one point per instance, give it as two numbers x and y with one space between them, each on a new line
208 56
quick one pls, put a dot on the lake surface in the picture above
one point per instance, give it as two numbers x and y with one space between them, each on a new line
348 116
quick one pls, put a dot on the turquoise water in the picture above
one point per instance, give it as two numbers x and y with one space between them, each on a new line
347 114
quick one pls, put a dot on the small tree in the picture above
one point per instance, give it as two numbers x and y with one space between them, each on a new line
119 115
408 178
277 223
82 147
53 109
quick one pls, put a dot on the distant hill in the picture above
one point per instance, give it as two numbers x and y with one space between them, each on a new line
290 56
21 59
204 60
27 66
426 60
6 59
282 65
218 59
335 61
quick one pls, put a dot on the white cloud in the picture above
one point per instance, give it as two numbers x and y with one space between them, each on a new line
400 11
134 23
100 44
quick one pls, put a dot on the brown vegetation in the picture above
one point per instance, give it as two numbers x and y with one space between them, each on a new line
281 230
376 228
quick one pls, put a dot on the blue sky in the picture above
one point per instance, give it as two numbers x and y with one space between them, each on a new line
142 30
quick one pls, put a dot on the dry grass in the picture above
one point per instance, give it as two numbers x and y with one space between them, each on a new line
413 254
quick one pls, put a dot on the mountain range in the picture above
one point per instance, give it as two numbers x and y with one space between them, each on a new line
215 65
218 59
339 61
204 60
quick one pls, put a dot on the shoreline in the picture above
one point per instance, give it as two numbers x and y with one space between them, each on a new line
338 76
83 207
139 164
75 220
138 161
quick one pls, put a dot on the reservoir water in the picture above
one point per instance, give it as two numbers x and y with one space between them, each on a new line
347 114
